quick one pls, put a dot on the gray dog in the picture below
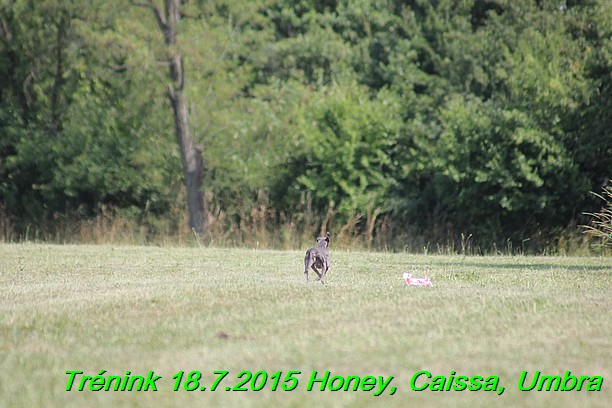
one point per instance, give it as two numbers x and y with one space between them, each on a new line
318 257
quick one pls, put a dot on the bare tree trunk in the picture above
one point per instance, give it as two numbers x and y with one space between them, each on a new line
192 160
193 164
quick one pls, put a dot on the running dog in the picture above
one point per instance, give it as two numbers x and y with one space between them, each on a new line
318 257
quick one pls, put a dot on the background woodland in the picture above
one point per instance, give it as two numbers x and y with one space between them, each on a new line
474 125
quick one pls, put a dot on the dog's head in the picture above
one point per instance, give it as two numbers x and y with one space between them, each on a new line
323 240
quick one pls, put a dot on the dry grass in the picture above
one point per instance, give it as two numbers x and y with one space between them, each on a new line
120 308
263 227
601 222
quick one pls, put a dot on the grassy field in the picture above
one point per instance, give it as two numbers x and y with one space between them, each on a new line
142 309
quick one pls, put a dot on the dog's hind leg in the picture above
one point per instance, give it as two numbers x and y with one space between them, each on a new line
307 265
314 268
309 262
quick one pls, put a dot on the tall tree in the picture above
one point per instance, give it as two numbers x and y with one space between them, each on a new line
191 155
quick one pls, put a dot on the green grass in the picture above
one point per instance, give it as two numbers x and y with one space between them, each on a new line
119 308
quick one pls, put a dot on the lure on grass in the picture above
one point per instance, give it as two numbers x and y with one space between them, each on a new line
414 281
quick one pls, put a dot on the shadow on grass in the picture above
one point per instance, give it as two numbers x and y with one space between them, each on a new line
598 268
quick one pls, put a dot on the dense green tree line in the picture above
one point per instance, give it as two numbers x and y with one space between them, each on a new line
428 118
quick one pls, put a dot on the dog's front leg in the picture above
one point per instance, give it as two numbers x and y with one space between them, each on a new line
324 270
314 268
322 274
